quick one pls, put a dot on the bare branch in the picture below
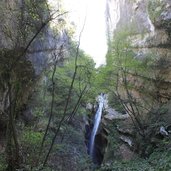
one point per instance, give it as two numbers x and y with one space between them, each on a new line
68 98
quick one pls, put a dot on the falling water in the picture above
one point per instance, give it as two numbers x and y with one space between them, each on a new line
96 123
152 28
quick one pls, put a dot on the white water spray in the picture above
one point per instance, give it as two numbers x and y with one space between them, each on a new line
96 123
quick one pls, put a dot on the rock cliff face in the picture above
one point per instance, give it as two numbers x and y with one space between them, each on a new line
20 22
18 28
150 25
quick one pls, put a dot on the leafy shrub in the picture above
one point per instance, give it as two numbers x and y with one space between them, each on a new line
32 138
30 141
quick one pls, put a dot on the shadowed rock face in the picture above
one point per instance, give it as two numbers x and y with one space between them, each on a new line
100 145
39 55
161 16
41 51
23 28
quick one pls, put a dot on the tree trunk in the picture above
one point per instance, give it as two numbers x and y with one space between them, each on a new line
12 148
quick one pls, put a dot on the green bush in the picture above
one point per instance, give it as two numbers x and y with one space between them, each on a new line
158 161
30 142
32 138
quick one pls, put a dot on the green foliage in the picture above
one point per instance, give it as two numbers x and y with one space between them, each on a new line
115 103
155 8
102 80
63 78
121 61
127 69
137 165
122 57
33 15
158 161
30 142
46 168
39 112
21 20
129 74
31 138
161 160
3 163
20 78
27 22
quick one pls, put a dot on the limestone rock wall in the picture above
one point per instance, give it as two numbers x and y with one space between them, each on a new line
149 23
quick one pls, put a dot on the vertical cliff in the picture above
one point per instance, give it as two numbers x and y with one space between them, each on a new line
139 58
148 23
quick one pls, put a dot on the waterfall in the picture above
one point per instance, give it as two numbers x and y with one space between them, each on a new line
97 120
152 28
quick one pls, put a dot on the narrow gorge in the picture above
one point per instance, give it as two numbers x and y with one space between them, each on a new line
85 85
